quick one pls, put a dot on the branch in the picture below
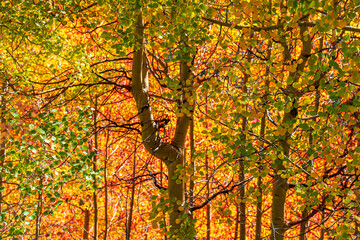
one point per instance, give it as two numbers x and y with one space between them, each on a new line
82 85
127 87
224 191
308 216
140 87
110 60
310 118
273 27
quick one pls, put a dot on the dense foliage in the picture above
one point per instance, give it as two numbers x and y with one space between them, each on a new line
195 119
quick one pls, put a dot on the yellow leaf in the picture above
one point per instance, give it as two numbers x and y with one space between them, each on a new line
154 224
339 161
342 24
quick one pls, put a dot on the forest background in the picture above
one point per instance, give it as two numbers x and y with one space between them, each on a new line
185 119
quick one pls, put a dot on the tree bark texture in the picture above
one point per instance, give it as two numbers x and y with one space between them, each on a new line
172 154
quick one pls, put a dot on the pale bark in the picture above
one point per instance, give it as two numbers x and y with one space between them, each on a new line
192 164
171 154
132 199
240 226
2 136
208 206
161 184
96 219
208 214
39 210
168 153
207 178
2 160
259 210
106 187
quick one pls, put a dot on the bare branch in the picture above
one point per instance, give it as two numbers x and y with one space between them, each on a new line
273 27
224 191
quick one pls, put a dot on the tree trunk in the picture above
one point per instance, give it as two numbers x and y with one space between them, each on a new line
280 185
207 178
2 160
176 195
132 200
161 184
241 208
192 164
39 210
106 187
95 170
262 136
259 211
2 155
3 139
304 224
208 206
171 154
86 225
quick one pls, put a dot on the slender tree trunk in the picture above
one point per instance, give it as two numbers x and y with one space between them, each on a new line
304 224
2 160
322 231
2 155
280 187
207 178
161 183
262 135
259 211
240 226
2 139
39 210
95 170
192 164
208 206
86 225
241 208
259 182
106 186
132 200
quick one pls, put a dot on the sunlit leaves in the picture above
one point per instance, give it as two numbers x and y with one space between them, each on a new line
37 152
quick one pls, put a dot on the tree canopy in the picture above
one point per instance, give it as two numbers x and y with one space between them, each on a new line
179 119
